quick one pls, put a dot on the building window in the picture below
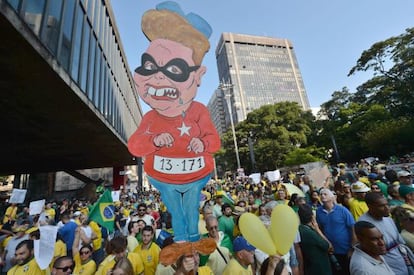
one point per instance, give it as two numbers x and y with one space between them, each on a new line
15 4
96 17
97 85
33 14
103 86
66 44
77 44
91 66
84 56
90 9
50 35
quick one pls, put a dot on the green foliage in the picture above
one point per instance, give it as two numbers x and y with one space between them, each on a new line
275 131
303 155
377 119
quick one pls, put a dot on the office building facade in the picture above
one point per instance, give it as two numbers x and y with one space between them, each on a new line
69 85
219 111
68 97
257 71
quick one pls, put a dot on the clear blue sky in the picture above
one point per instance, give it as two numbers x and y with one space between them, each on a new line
328 36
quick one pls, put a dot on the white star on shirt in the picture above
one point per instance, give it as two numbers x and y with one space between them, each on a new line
184 129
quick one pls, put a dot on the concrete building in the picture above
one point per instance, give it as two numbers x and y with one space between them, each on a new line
257 71
68 98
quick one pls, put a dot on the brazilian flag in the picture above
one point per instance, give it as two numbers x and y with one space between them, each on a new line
226 198
103 211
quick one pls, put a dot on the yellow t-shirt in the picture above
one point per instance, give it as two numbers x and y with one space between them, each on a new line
30 268
357 208
60 250
150 257
87 268
127 212
11 212
97 243
204 270
109 263
233 267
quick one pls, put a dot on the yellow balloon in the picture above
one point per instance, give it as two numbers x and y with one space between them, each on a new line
283 228
255 232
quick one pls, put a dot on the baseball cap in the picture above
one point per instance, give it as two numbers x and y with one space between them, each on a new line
403 173
359 187
372 176
240 244
404 190
238 210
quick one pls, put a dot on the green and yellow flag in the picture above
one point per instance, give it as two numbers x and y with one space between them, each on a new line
103 211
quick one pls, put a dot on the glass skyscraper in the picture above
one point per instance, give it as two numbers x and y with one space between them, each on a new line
257 71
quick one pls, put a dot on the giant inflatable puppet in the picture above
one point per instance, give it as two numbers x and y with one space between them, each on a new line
176 138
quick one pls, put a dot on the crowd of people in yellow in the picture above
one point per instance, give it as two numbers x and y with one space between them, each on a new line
338 222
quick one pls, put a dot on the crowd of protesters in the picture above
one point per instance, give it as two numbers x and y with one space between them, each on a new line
356 222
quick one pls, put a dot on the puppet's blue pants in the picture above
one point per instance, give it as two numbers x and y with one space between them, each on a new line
183 202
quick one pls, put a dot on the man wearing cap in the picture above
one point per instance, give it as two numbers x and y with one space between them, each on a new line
238 211
357 204
177 137
404 177
376 179
243 258
379 215
407 193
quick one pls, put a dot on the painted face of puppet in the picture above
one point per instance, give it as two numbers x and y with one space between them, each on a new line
167 79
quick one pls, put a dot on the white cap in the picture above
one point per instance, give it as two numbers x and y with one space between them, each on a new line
403 173
359 187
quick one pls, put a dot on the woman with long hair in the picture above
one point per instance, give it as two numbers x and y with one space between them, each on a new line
122 267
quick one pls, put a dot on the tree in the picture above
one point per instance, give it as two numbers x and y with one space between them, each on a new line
304 155
276 130
392 63
377 119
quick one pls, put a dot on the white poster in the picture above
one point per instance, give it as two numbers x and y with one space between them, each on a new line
273 175
18 195
46 244
116 195
255 178
36 207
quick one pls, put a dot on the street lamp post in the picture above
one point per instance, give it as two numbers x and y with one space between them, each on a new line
226 88
251 150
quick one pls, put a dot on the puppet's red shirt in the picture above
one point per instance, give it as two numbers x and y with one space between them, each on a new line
176 164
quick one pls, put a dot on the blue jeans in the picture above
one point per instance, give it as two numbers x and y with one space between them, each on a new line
183 202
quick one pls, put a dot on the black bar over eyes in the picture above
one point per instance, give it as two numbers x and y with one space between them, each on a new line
176 69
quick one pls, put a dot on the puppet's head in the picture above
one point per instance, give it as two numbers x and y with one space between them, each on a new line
170 69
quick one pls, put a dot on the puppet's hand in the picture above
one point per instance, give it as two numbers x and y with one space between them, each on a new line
196 145
164 139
